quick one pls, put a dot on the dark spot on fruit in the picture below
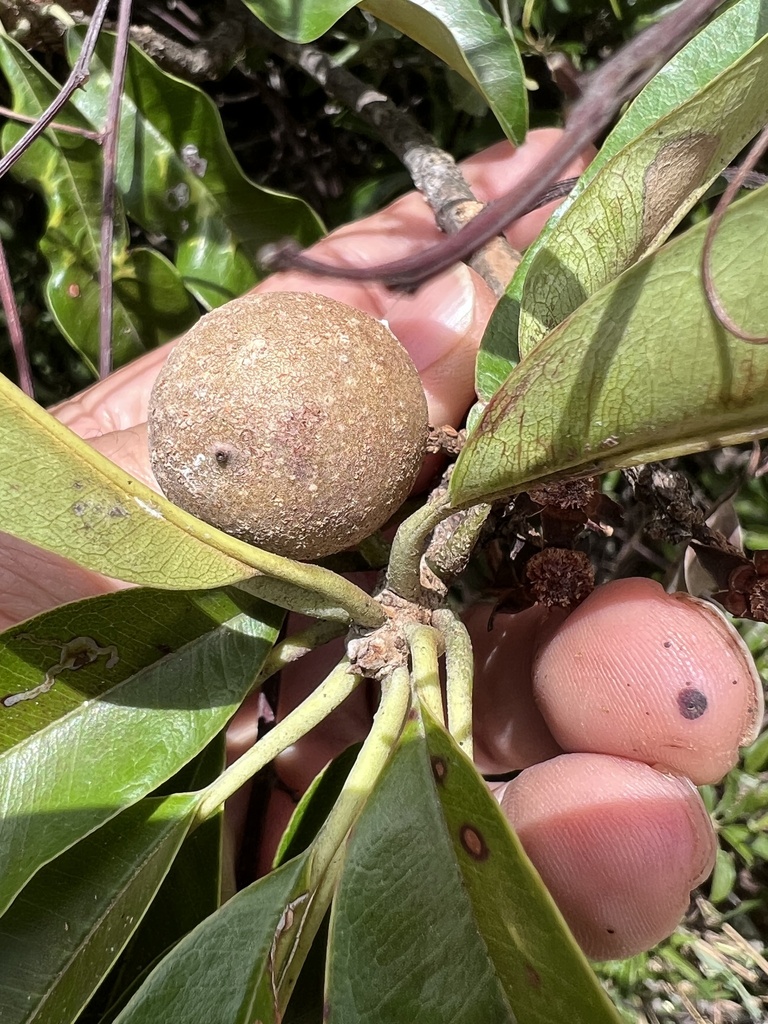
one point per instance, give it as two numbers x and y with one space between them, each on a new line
77 484
611 931
439 769
79 509
118 512
533 976
222 455
164 648
667 643
734 682
691 703
473 843
413 715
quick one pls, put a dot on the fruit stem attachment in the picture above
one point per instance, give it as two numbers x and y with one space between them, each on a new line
317 706
297 645
321 596
459 675
327 852
404 572
423 643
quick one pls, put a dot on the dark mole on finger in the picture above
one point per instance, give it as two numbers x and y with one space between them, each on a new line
691 703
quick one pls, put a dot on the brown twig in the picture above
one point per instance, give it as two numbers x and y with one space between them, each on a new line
605 91
713 297
111 134
57 126
433 171
13 320
77 76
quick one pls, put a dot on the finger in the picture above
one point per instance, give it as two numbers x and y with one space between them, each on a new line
661 678
128 449
509 730
33 580
619 845
118 402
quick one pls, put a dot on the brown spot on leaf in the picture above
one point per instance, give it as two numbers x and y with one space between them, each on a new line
532 976
439 769
691 703
679 166
473 842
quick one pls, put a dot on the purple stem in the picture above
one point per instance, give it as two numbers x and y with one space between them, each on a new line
14 326
111 135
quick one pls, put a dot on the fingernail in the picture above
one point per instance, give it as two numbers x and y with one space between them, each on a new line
432 321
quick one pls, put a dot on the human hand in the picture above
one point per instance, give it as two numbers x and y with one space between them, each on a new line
441 326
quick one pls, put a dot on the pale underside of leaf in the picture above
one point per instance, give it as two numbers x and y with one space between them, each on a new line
630 207
718 47
641 371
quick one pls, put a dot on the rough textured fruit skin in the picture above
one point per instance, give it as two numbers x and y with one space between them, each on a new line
289 420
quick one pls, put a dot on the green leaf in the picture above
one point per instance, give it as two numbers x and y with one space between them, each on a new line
219 971
690 103
642 371
68 926
466 34
723 877
58 493
190 892
470 38
179 177
85 648
631 206
151 304
300 22
73 775
440 916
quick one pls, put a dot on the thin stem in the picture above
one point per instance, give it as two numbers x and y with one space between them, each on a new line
77 76
327 849
16 334
715 302
111 138
423 645
318 705
296 646
57 126
387 726
459 676
313 591
403 575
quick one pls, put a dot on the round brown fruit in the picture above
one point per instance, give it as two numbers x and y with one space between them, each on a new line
289 420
